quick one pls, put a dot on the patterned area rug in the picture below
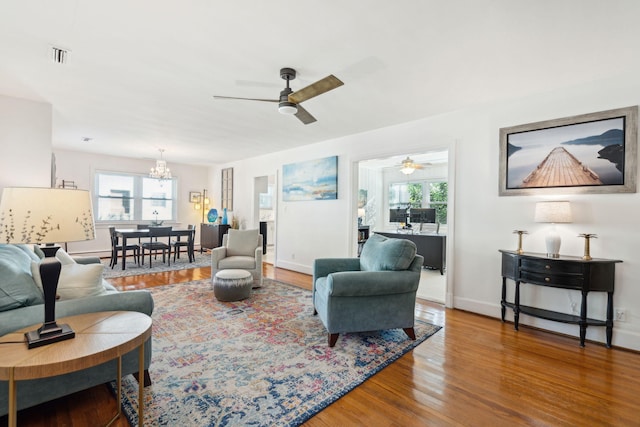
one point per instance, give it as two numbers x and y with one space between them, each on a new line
202 260
263 361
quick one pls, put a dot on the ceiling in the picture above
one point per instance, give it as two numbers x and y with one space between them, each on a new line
141 74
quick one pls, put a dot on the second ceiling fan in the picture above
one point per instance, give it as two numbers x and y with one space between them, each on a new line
289 101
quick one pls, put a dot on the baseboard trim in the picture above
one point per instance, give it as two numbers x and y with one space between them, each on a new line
622 338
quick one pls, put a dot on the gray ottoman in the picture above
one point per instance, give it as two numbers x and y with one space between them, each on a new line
232 285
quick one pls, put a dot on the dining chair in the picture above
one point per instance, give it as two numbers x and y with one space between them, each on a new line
155 244
116 248
189 244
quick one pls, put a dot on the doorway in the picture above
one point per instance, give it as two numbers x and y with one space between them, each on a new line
265 201
387 186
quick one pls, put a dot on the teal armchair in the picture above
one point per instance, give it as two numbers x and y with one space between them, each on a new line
374 292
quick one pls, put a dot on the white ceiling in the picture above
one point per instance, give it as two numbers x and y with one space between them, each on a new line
141 74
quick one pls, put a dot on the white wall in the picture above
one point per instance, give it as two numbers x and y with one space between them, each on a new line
25 143
80 168
483 221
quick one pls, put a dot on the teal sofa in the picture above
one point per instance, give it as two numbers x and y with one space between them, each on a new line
374 292
21 306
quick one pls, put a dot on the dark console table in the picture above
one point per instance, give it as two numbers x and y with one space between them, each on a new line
431 246
211 235
564 272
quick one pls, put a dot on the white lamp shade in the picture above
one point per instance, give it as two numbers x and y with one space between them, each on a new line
45 215
554 212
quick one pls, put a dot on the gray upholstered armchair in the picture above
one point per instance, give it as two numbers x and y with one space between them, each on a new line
241 249
374 292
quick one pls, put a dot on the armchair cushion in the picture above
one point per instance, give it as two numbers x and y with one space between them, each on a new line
367 283
381 253
242 242
237 262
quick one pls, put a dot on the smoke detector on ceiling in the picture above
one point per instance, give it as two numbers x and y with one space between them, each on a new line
59 55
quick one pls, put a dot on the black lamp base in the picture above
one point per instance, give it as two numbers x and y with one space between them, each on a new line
48 334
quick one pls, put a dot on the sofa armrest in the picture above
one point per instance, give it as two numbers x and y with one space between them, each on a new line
19 318
216 255
322 267
258 256
367 283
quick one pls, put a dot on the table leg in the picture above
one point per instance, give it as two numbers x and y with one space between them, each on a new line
141 385
503 307
13 405
609 323
516 307
124 251
583 319
118 391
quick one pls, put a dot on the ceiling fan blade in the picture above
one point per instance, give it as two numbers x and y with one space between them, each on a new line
245 99
314 89
304 116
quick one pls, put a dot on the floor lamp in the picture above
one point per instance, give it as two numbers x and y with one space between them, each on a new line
202 204
46 215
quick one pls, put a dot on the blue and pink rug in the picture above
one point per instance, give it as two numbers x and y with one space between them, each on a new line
263 361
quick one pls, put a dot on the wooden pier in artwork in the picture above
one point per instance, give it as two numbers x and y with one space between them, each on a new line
560 169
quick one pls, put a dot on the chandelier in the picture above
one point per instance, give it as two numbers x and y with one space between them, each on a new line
161 171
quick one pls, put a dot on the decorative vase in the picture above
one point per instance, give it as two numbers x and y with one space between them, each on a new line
212 216
225 220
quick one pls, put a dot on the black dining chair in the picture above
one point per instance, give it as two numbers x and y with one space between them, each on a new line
156 244
178 244
116 248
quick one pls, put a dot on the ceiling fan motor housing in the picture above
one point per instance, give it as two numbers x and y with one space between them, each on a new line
285 106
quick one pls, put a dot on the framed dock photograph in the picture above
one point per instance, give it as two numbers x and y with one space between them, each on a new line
589 153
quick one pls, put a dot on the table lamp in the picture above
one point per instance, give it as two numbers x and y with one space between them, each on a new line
553 212
46 215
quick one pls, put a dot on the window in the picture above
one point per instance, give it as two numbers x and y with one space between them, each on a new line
227 189
133 197
420 194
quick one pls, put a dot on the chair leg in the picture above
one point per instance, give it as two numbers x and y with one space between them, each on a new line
410 332
332 339
146 379
114 258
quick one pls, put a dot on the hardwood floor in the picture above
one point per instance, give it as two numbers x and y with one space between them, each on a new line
475 372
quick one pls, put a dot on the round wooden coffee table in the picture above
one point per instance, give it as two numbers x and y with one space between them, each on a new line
100 337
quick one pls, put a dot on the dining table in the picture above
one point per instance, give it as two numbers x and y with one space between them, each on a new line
128 233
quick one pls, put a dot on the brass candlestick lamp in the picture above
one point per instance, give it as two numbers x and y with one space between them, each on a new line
519 251
587 245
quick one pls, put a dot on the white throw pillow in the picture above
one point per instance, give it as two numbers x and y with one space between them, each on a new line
242 242
76 280
64 258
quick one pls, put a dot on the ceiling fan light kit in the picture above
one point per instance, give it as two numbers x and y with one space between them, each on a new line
408 166
287 107
289 101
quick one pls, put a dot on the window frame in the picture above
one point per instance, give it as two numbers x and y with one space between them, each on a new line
136 200
426 193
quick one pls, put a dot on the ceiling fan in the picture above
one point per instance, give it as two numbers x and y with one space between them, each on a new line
408 166
289 101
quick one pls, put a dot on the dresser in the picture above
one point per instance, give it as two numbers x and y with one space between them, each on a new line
211 235
566 272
